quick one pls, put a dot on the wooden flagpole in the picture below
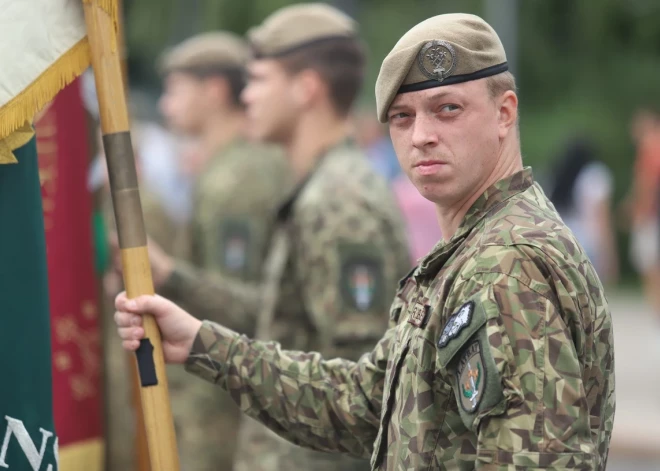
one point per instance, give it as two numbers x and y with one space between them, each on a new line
141 445
154 393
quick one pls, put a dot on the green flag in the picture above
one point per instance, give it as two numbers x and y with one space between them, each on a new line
27 434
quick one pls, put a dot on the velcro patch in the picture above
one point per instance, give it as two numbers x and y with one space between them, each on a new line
419 314
456 323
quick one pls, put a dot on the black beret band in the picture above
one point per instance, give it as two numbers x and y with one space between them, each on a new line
479 74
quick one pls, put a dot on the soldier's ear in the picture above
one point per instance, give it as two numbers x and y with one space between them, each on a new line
218 89
507 113
308 88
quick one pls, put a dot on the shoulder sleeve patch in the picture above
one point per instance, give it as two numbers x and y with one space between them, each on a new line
235 245
465 352
361 278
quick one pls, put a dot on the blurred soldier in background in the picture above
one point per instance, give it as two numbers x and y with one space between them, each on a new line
237 187
339 247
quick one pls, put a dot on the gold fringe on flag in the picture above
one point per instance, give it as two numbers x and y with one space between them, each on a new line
22 108
17 139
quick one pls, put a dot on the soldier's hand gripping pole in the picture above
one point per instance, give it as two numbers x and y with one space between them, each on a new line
130 229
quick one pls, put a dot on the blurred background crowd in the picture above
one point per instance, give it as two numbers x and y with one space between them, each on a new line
589 88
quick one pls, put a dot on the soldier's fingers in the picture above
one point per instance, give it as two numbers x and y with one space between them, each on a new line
131 345
120 300
145 304
131 333
127 319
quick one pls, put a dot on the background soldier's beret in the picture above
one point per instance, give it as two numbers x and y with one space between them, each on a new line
206 54
297 26
442 50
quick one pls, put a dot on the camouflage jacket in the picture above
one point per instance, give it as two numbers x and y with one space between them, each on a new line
332 269
500 356
235 204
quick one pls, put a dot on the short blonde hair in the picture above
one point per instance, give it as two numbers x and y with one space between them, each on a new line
501 83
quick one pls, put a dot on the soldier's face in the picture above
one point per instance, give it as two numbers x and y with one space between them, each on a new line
447 139
182 103
270 101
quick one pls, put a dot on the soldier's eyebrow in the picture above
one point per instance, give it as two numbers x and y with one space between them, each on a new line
440 95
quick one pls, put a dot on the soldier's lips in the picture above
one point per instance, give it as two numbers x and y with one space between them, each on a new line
428 167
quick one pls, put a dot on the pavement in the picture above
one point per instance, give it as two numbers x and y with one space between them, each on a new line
636 438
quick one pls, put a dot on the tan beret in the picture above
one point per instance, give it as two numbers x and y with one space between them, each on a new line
207 53
442 50
296 26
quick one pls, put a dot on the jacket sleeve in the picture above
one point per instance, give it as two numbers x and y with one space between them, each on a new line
327 405
208 295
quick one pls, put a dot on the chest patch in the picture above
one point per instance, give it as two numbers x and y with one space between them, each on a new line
419 313
363 284
471 377
456 323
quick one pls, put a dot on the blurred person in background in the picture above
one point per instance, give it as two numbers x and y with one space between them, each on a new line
339 247
237 186
161 173
582 194
372 138
642 205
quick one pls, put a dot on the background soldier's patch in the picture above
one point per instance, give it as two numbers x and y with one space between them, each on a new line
361 277
235 243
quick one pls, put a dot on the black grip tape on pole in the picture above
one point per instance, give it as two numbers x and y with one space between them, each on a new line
145 360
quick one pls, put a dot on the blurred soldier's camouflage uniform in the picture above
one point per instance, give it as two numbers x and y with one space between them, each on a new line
234 205
500 355
336 255
332 267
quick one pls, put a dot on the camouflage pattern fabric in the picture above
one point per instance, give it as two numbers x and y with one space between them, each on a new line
500 356
235 204
339 250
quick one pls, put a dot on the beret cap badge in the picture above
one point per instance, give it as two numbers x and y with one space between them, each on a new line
437 60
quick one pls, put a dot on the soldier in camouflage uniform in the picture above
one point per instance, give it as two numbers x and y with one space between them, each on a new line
235 195
500 355
339 246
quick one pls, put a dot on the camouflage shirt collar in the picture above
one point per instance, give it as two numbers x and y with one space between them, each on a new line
490 200
220 154
286 207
